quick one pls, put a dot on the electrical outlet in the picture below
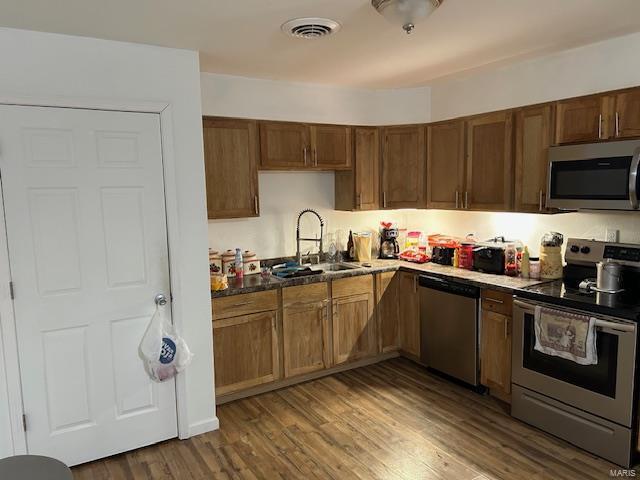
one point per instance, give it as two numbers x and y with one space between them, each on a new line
612 235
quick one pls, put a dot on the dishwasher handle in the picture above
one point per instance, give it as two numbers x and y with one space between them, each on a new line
449 286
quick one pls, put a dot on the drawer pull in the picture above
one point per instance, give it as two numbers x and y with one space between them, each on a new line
488 299
242 304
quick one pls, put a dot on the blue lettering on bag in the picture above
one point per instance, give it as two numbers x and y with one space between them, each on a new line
168 351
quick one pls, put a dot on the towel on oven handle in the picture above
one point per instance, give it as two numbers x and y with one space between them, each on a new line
566 335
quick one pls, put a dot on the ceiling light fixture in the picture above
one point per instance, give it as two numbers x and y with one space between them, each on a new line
405 12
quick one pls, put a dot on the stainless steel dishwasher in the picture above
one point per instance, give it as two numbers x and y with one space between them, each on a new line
449 327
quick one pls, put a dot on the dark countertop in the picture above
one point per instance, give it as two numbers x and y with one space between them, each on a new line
255 283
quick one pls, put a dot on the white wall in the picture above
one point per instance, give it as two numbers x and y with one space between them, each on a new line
597 67
38 65
282 194
593 68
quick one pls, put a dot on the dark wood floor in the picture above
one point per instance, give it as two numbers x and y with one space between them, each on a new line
390 420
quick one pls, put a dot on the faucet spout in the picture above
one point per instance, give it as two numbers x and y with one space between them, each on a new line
315 240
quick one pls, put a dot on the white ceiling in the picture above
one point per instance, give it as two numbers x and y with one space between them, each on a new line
243 37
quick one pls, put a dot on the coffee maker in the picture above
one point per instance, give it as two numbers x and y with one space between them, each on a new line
389 247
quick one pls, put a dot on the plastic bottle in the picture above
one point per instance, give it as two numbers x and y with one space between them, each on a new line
526 264
239 265
456 258
511 261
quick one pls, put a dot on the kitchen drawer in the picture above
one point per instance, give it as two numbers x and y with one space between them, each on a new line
345 287
497 301
305 294
243 304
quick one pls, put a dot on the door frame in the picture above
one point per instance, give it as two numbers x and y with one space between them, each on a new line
8 337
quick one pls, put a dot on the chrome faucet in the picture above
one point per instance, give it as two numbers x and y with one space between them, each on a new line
315 240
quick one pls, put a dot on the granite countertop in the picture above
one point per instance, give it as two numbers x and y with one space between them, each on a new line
255 283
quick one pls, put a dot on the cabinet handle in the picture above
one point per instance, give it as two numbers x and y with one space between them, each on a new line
540 201
358 201
600 126
242 304
617 124
304 154
315 157
255 204
506 328
457 195
494 300
384 199
466 200
415 284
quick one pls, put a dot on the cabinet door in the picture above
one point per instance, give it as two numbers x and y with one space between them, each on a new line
354 328
231 167
409 318
627 114
387 310
359 188
403 167
284 146
489 162
245 351
582 119
305 334
533 137
331 147
495 353
445 164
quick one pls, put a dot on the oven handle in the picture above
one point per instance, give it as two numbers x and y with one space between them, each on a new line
618 327
633 179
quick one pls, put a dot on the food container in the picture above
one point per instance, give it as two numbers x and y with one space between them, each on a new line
229 263
443 255
550 262
251 263
362 246
465 256
609 278
215 262
219 281
413 240
534 268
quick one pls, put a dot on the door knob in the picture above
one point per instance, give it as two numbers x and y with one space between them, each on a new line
161 300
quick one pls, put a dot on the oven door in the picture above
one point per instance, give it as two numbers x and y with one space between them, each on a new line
594 176
604 389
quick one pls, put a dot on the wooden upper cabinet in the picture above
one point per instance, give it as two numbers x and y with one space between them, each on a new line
404 167
533 134
231 167
489 163
445 164
331 147
284 146
584 119
359 188
627 114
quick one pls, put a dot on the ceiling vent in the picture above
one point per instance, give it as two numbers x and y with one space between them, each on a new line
311 27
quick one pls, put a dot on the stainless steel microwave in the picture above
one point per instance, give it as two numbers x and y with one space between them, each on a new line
596 176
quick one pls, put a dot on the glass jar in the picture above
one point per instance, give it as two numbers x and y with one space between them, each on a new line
534 268
511 260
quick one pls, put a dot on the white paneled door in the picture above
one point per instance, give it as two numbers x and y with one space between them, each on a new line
85 216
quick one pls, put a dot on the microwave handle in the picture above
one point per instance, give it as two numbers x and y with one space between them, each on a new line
633 179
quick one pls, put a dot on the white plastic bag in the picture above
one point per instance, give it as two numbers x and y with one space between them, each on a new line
163 351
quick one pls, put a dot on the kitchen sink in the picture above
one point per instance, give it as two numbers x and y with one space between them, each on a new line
334 267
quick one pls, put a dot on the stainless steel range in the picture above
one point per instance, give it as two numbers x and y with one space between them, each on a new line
591 406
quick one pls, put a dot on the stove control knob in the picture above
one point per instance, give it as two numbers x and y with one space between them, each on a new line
575 248
585 250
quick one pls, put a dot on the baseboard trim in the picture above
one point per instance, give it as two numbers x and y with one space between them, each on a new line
203 426
287 382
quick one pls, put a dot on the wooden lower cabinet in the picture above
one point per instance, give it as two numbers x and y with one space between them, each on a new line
409 315
387 310
305 329
246 351
495 344
354 328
